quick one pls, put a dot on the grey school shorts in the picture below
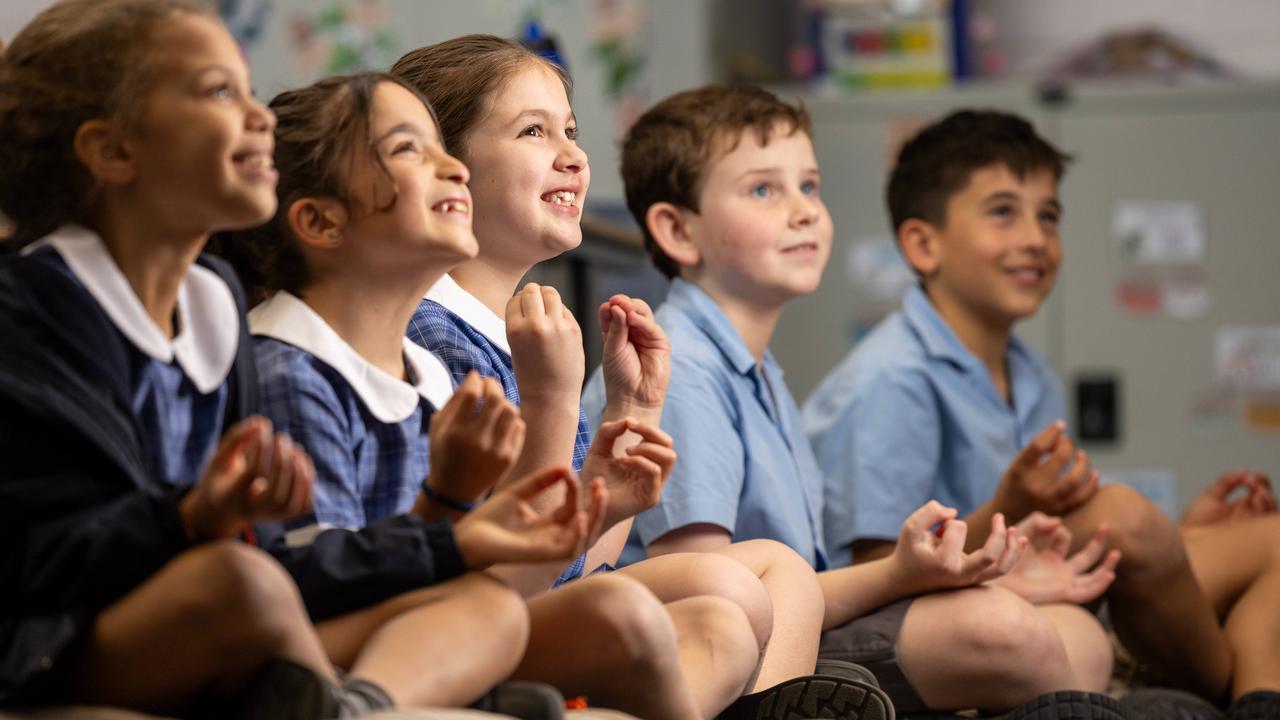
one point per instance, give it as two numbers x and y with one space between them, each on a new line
872 642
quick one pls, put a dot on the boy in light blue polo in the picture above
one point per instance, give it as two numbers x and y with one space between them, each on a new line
725 185
942 401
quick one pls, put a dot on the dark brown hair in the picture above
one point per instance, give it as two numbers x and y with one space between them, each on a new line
323 134
939 161
666 153
77 61
461 75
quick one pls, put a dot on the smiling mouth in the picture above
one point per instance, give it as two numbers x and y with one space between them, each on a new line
1027 275
563 198
802 247
450 206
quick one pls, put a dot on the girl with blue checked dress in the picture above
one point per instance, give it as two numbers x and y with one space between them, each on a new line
372 211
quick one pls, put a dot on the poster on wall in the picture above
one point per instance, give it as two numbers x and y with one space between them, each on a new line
1162 246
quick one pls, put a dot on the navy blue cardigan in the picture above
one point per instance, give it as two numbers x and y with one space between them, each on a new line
82 523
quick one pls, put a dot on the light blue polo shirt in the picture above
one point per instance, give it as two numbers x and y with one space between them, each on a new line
743 463
912 415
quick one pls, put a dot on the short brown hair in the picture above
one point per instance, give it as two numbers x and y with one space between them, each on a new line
77 61
939 161
323 131
460 75
666 153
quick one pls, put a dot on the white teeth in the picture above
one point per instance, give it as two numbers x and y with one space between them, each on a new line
561 197
448 206
257 162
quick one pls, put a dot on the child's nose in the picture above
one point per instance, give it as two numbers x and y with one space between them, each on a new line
571 158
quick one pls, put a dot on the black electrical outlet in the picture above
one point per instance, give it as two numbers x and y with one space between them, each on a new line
1097 408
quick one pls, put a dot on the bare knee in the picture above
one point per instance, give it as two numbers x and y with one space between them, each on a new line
731 580
1148 540
722 628
505 613
629 620
240 594
1006 634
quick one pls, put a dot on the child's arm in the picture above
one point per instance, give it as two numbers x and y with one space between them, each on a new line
1046 574
636 363
635 459
546 354
1049 475
475 439
1215 505
929 556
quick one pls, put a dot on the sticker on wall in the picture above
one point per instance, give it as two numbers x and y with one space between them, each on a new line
1247 357
1215 412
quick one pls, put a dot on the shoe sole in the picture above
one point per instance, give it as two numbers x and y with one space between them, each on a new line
1070 705
825 697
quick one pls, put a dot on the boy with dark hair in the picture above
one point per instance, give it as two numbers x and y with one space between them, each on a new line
724 183
942 401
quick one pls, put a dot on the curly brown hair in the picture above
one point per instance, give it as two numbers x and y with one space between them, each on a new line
323 133
77 61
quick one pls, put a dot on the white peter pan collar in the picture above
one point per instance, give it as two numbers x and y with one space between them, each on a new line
207 316
450 294
288 319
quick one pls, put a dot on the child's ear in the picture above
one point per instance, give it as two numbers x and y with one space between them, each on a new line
669 226
101 147
920 246
318 222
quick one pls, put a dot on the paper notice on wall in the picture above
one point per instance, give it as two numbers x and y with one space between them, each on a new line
1247 357
1159 232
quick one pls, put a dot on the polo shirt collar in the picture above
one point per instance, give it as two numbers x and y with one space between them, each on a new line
286 318
707 315
450 295
935 334
208 319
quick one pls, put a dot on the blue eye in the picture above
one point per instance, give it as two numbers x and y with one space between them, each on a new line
809 188
223 91
761 191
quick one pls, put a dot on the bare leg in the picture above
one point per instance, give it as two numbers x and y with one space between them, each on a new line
1155 590
678 576
609 638
441 646
1088 649
718 650
229 607
798 607
1238 564
981 647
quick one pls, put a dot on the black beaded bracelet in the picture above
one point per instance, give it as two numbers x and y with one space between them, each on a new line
446 501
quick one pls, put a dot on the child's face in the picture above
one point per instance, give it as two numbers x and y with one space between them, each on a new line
431 216
202 145
530 176
762 232
999 251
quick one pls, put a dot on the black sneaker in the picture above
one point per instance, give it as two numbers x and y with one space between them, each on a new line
523 700
1156 703
813 696
845 669
1257 705
286 690
1070 705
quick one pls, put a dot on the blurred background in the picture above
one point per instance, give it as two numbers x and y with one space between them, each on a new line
1165 324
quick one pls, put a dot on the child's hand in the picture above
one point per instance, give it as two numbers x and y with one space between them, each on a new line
1046 575
1214 504
1039 479
252 476
546 347
635 475
475 439
934 560
506 528
637 359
